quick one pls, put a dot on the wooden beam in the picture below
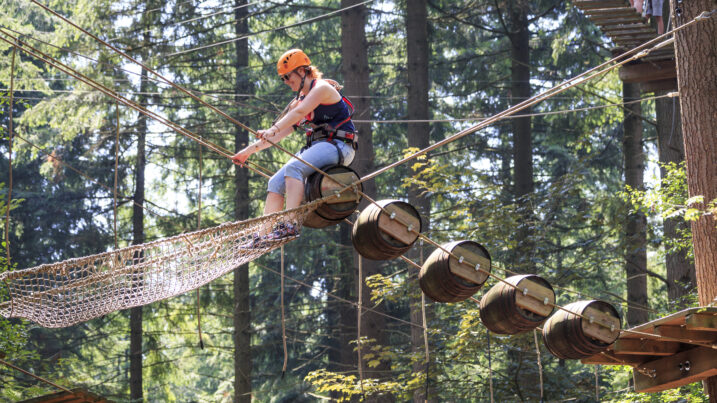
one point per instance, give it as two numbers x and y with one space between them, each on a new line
590 4
617 12
643 72
701 321
635 32
628 27
645 347
600 325
617 20
676 370
689 336
398 227
660 85
467 268
539 300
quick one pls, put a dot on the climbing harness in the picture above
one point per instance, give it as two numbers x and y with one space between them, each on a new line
328 132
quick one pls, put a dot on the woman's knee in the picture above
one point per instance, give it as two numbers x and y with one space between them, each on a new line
296 169
277 183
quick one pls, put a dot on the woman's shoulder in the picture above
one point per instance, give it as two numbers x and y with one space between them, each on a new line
326 89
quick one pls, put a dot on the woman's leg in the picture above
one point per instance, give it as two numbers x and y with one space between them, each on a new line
294 192
274 203
319 155
275 192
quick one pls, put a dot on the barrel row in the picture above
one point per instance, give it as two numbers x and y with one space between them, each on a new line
457 270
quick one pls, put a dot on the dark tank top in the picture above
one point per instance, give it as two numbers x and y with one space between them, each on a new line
332 114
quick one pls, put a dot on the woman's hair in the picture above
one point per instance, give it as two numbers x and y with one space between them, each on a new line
313 72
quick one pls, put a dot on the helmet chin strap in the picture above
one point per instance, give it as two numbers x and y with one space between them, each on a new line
301 86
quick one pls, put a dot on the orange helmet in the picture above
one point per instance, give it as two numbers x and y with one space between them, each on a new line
290 60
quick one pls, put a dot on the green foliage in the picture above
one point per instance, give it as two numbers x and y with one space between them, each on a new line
669 200
349 386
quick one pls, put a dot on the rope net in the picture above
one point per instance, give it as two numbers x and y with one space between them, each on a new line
76 290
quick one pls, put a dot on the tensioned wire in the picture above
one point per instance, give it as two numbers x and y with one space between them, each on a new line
198 18
217 96
409 121
560 88
309 20
384 169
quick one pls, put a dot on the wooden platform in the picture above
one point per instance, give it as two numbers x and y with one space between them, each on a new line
665 364
627 30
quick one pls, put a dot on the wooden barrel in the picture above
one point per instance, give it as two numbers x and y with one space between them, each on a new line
507 310
335 209
386 232
447 279
568 336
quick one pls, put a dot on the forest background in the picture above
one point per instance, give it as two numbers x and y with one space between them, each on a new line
561 191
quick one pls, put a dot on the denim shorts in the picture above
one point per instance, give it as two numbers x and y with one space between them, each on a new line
320 154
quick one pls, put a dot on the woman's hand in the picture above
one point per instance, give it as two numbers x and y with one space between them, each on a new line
270 132
241 157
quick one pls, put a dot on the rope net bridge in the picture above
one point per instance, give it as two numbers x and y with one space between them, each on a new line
76 290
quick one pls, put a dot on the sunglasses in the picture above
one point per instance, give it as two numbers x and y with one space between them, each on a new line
286 76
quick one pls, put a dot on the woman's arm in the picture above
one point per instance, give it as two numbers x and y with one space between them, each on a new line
322 93
273 135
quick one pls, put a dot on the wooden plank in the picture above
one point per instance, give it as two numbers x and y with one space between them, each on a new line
398 227
644 72
631 32
636 38
628 27
590 4
467 269
328 187
539 299
676 370
612 12
605 21
645 347
600 325
689 336
701 321
675 319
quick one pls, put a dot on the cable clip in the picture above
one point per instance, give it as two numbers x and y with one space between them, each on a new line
525 291
545 301
703 16
460 259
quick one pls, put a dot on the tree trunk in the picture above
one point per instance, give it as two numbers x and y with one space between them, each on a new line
522 136
527 384
680 271
636 223
242 303
418 134
354 48
696 51
135 319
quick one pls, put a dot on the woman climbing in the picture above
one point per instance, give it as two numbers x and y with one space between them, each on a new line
330 136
